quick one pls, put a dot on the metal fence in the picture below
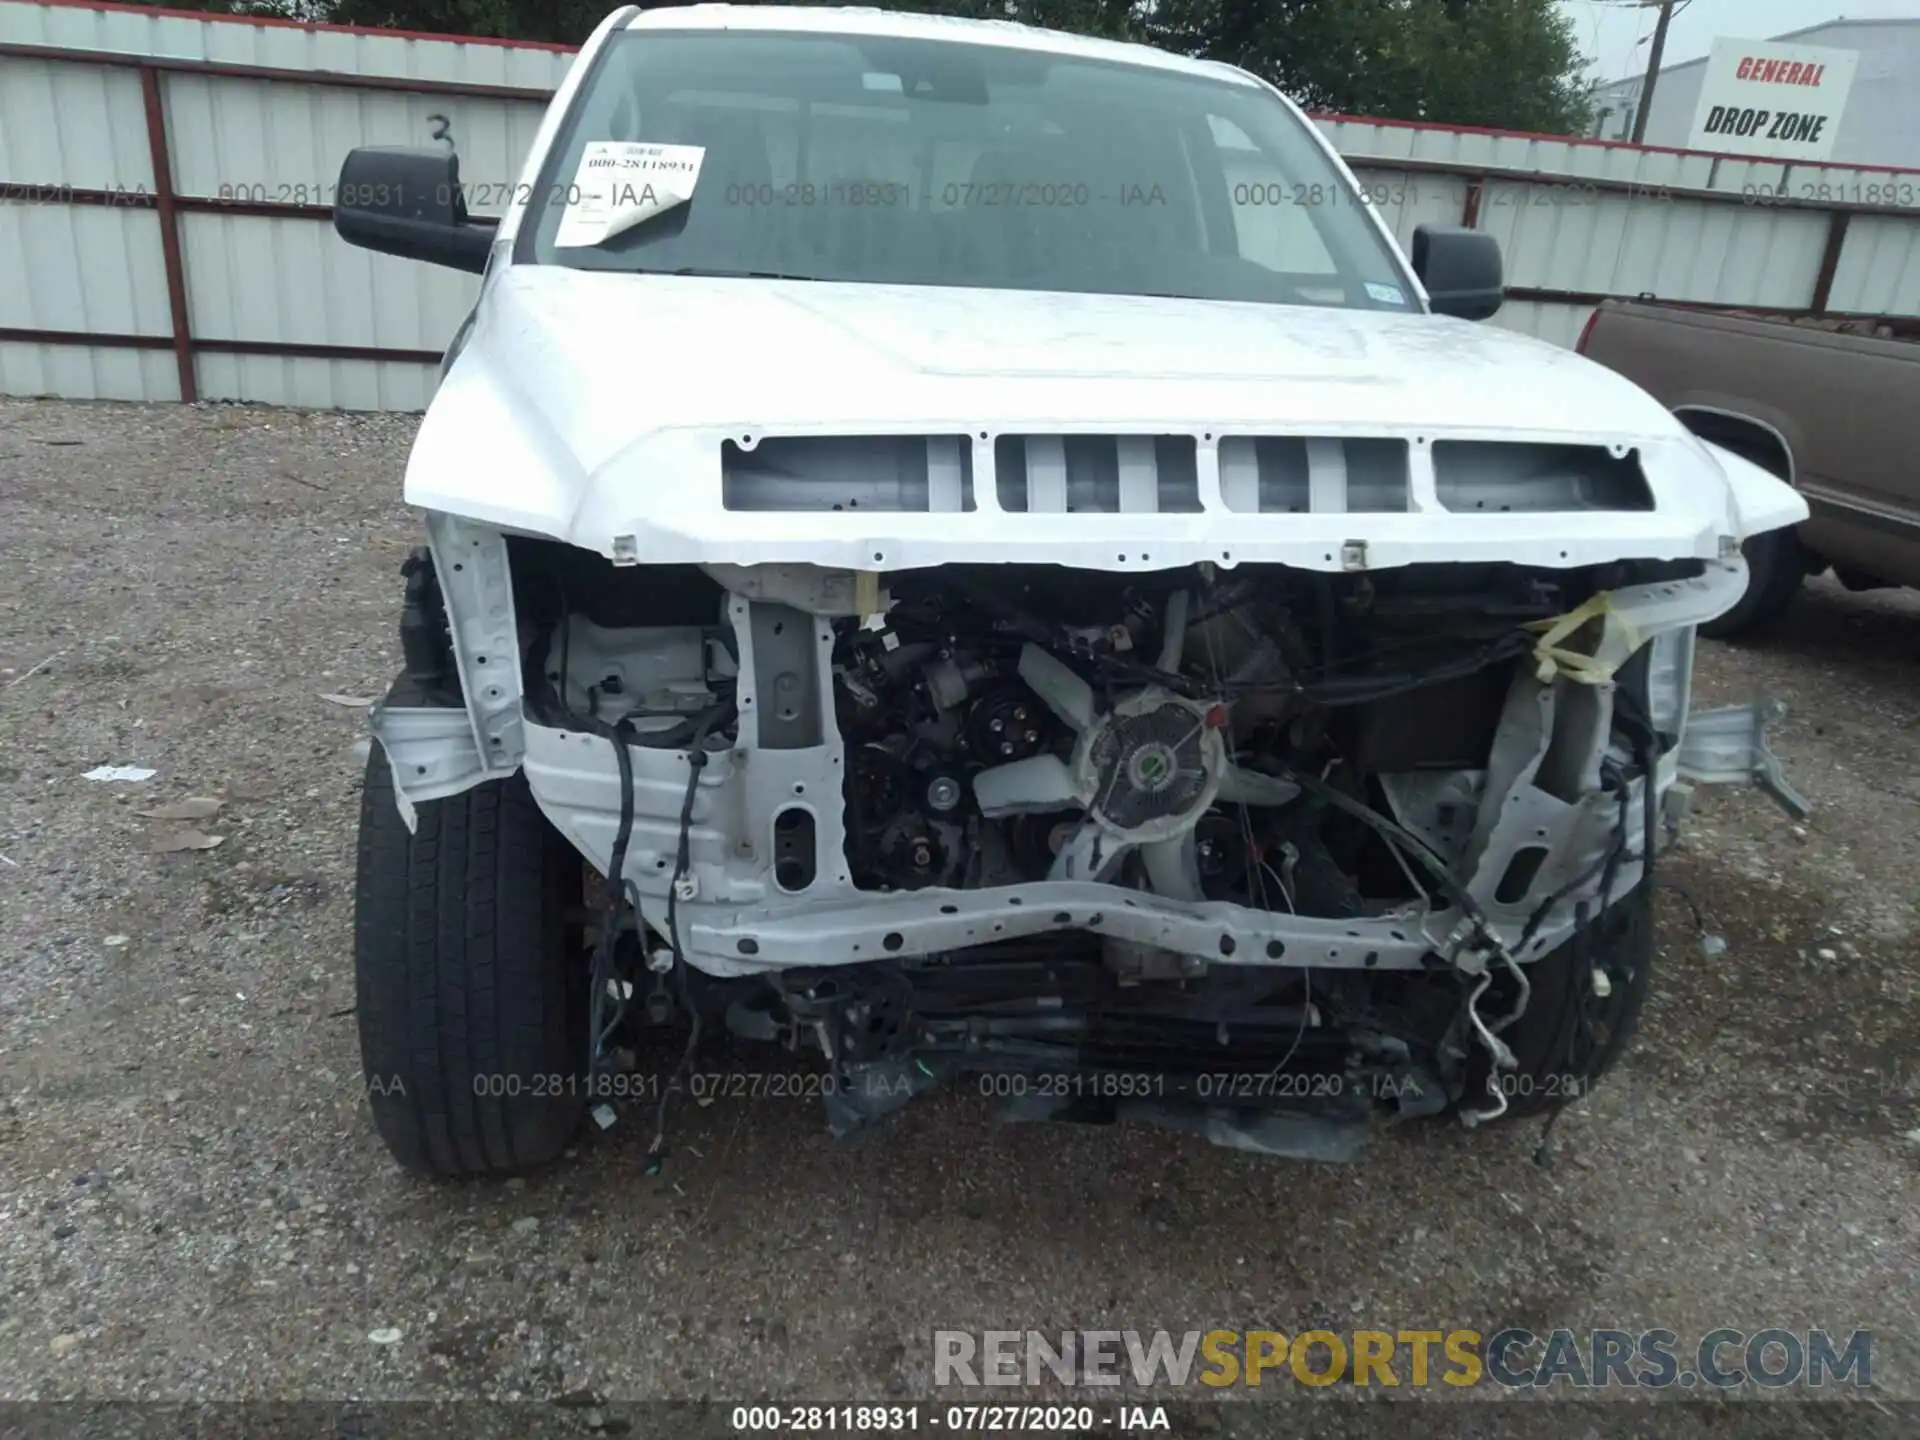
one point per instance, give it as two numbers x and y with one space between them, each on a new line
166 179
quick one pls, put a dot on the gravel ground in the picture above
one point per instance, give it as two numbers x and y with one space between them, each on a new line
193 1204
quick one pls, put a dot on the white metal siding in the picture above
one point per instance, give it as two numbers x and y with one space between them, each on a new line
317 384
1881 125
83 267
1879 269
1678 249
1496 150
280 141
268 278
79 372
286 47
1407 199
78 125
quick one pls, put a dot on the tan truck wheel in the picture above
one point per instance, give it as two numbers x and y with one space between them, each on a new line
1775 566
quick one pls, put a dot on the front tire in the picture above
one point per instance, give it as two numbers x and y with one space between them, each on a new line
1569 1035
471 988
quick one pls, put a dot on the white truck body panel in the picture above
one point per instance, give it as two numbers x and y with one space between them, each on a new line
591 406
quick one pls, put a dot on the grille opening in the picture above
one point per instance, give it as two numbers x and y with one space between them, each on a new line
887 473
1097 474
1300 475
1501 477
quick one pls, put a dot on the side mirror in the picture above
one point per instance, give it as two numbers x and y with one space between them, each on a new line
409 203
1461 270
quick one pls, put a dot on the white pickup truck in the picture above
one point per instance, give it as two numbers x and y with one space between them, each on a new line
986 541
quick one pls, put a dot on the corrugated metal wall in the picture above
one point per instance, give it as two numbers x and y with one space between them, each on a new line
1579 221
145 31
167 179
265 302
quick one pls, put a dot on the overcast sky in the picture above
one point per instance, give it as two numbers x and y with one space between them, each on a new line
1609 28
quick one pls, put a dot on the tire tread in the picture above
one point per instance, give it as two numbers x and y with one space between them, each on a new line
461 975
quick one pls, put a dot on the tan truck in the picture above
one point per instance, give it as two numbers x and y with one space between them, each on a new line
1830 406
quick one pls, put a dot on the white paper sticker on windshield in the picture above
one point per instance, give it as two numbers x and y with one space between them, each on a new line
1387 294
622 182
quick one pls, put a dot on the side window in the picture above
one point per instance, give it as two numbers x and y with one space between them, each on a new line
1272 222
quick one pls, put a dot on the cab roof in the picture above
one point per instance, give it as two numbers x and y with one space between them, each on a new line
866 20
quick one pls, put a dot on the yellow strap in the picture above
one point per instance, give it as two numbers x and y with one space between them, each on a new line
1553 658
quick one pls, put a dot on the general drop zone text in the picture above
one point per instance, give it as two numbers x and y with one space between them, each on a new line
1787 124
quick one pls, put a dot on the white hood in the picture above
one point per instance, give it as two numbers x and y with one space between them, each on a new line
592 407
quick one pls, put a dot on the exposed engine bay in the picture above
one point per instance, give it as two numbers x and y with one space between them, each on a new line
1157 832
1147 735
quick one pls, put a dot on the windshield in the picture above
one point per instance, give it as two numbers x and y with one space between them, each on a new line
934 162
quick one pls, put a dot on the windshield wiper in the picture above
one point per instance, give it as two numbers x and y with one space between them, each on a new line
705 273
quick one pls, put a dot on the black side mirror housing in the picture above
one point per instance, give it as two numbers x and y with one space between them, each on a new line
409 203
1461 269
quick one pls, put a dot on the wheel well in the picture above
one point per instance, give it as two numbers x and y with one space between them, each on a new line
1759 442
430 677
1750 439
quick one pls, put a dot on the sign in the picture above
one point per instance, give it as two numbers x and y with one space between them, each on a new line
1782 102
620 183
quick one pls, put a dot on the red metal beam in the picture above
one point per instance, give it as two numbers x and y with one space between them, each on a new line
1472 208
301 350
1830 260
1594 297
20 192
339 78
105 339
294 349
169 232
277 22
1585 189
285 210
144 199
1335 117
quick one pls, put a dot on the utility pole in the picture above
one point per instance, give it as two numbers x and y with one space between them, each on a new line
1653 69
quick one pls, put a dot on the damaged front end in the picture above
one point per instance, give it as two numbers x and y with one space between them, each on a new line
1266 853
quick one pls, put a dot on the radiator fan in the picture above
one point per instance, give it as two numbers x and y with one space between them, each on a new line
1144 772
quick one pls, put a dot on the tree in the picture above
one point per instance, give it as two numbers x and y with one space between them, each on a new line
1508 64
565 22
1109 19
309 10
1514 66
